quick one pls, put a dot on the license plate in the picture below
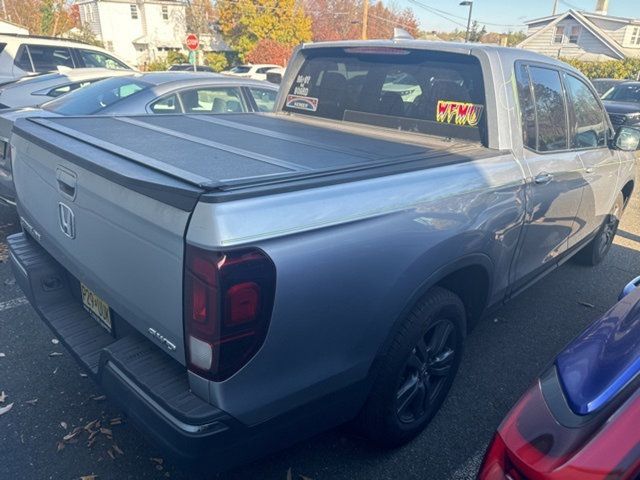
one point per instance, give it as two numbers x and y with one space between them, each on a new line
98 308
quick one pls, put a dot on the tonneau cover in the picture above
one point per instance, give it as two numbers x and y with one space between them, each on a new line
208 150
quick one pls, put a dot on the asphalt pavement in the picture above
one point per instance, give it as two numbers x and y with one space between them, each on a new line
505 352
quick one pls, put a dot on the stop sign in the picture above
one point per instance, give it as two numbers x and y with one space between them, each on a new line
192 41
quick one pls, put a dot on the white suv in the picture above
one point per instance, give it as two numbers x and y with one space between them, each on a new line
22 55
254 71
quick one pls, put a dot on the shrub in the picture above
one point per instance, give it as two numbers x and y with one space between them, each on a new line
270 51
217 61
622 69
176 57
156 66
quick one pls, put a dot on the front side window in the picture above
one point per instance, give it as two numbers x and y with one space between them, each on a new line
134 11
434 93
165 12
47 58
551 112
95 59
558 36
212 100
265 99
588 124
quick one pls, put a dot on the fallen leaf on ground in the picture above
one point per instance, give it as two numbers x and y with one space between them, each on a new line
106 431
100 398
4 410
115 421
55 354
32 402
84 375
88 477
2 355
63 425
157 460
55 341
91 424
117 449
111 454
588 305
91 442
55 370
60 446
72 435
3 396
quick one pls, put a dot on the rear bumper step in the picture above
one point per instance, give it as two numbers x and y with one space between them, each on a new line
152 388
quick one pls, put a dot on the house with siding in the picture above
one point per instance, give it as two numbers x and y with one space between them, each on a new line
584 35
138 31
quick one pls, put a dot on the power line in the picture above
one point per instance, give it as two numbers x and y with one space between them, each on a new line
444 14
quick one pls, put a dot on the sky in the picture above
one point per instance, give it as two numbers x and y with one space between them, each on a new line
503 15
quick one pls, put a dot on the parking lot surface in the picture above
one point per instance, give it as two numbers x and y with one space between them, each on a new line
504 353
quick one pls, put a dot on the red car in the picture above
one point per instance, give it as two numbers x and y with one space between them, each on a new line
581 419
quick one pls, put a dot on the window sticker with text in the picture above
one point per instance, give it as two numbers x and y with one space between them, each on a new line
459 113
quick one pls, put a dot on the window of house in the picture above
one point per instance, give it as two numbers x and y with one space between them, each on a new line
559 34
551 109
134 12
635 36
588 127
575 34
165 12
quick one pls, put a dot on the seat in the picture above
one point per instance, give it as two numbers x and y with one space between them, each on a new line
234 106
219 105
190 101
332 94
391 103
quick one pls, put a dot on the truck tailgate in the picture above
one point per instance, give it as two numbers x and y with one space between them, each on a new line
125 246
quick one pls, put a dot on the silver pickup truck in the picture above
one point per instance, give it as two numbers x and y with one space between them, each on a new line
236 284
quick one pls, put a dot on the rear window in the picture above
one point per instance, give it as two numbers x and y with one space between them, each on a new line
241 69
95 98
434 93
626 92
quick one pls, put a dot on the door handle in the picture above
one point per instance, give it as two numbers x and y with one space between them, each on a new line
543 178
66 182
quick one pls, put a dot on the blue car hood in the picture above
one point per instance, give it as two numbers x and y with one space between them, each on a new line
603 359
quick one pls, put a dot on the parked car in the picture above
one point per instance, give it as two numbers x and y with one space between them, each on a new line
255 278
187 67
22 55
579 420
603 85
142 93
33 91
274 75
256 72
623 104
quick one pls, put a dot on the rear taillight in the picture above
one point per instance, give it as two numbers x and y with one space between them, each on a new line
497 465
228 303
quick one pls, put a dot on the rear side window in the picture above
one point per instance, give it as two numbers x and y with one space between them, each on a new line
93 59
44 58
551 110
265 99
212 100
166 105
588 124
527 107
95 98
70 87
435 93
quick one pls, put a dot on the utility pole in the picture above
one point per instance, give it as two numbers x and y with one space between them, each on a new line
468 3
365 19
555 7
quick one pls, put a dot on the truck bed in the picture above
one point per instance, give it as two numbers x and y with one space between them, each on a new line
238 153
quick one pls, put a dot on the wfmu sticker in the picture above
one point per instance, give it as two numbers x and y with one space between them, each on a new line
459 113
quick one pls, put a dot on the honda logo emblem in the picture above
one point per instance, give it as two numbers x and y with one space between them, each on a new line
67 220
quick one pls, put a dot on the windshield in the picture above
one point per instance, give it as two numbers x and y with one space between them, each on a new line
94 98
240 69
435 93
627 92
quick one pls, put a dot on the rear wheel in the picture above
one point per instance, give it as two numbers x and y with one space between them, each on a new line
596 250
419 369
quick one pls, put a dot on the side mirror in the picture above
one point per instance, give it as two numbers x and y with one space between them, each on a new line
629 287
627 139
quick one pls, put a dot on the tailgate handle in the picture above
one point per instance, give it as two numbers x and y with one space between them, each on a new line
66 182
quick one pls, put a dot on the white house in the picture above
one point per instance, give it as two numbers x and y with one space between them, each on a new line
585 35
138 31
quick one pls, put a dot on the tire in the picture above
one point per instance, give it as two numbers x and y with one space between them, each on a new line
418 370
596 250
